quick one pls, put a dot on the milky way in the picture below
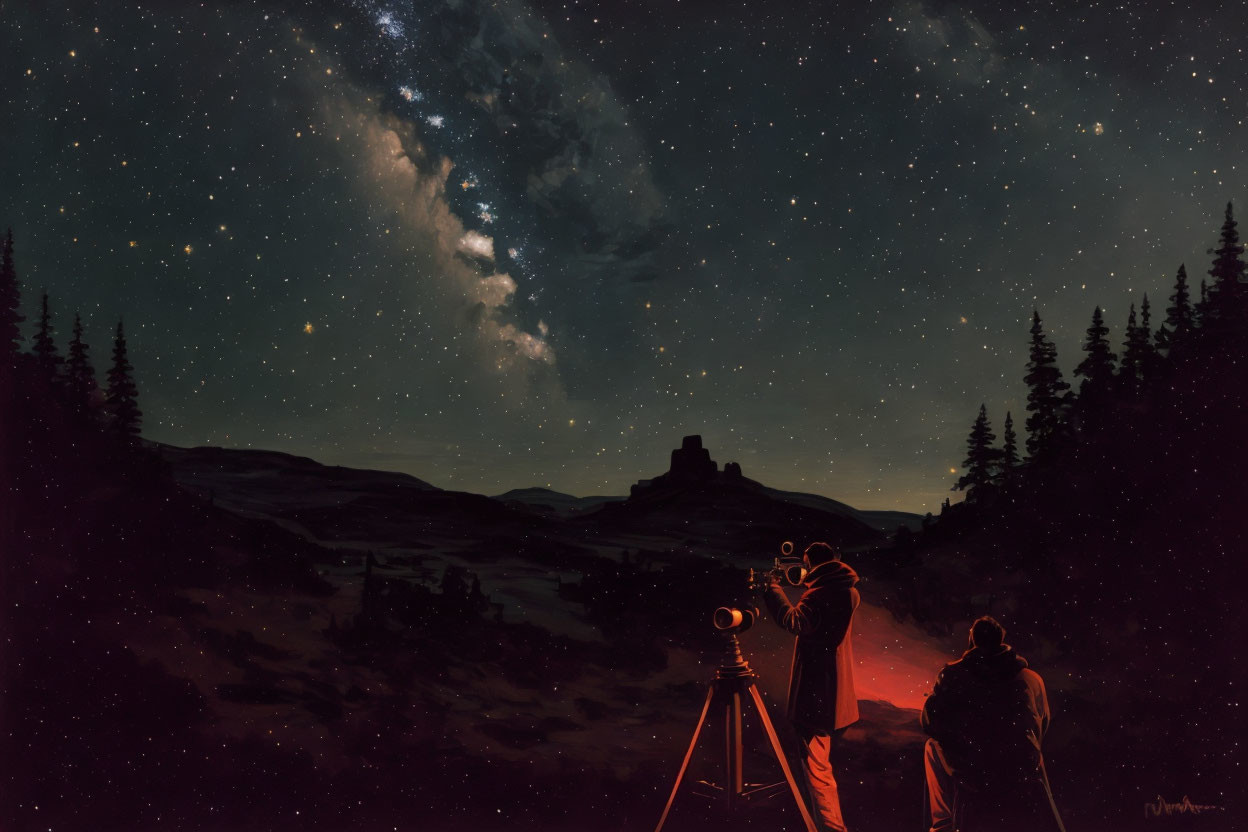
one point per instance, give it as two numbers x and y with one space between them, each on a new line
508 244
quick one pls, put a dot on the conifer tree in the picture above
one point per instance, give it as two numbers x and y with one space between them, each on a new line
980 458
1179 315
78 370
1150 360
1130 368
1009 451
123 395
1045 401
10 307
1097 368
44 347
1223 302
1134 357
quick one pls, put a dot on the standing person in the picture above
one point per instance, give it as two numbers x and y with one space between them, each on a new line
822 703
986 718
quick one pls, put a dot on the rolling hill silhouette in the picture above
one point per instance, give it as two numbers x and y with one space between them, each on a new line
694 504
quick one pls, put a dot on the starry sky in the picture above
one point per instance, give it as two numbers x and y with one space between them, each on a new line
527 242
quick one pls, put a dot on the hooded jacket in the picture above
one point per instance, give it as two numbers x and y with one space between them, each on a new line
989 712
821 684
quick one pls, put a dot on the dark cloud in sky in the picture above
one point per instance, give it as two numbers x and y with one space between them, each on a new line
536 243
583 162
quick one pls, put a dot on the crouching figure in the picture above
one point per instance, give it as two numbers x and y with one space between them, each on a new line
986 719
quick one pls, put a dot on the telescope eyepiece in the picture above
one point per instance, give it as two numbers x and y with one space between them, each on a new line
735 619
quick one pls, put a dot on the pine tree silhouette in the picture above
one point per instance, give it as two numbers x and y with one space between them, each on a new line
1150 360
1135 350
1045 400
1097 368
10 307
1180 317
1160 466
78 370
123 395
980 458
1222 305
1009 452
44 347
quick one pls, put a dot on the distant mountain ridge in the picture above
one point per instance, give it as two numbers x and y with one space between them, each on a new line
693 500
278 476
333 504
538 498
567 504
882 519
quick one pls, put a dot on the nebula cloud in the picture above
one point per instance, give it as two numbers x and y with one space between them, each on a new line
401 178
477 244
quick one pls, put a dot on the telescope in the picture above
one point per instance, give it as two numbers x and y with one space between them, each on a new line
734 686
788 568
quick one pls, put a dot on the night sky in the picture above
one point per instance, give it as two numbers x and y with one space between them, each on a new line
504 244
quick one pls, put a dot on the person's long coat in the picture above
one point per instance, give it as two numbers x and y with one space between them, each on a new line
821 685
989 712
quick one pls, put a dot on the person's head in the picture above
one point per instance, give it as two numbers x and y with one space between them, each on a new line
987 633
817 553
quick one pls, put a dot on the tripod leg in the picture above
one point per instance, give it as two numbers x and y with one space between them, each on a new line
1057 816
734 775
706 706
927 807
784 763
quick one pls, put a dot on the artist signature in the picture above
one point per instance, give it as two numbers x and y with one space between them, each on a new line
1183 807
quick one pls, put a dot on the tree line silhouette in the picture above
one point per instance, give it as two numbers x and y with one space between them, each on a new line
27 378
1162 427
1112 535
78 486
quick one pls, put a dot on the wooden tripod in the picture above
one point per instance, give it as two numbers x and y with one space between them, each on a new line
733 679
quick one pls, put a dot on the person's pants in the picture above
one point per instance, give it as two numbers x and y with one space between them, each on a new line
1020 804
817 766
941 788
